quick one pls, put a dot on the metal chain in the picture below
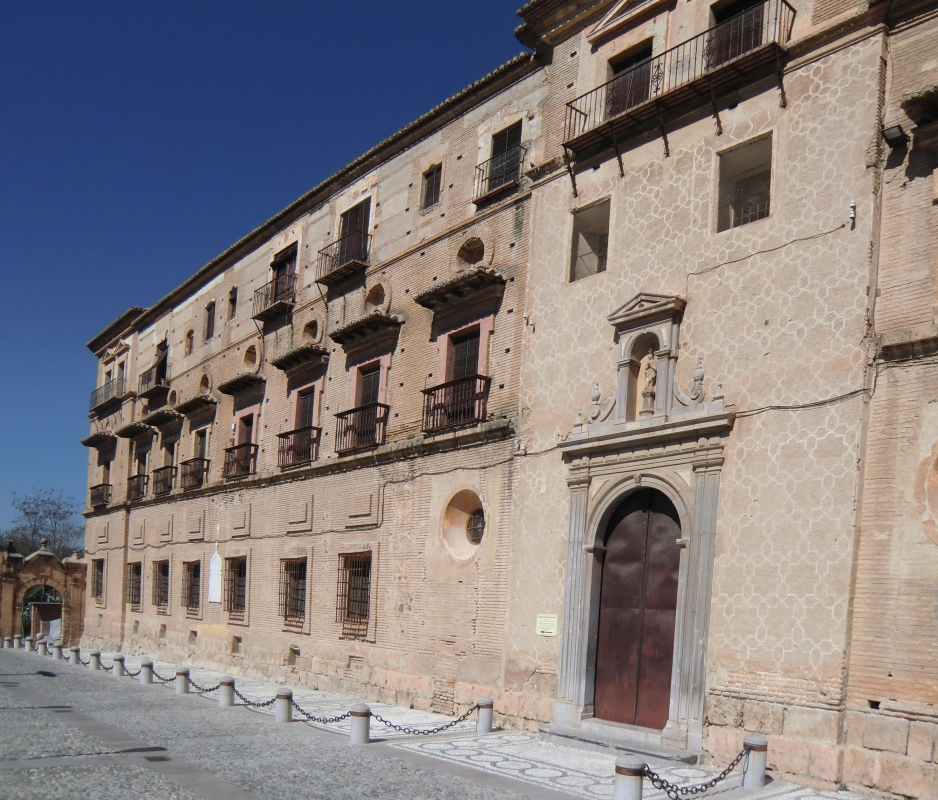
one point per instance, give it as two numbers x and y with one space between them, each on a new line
160 678
674 791
251 703
204 689
131 674
107 669
84 663
418 732
321 720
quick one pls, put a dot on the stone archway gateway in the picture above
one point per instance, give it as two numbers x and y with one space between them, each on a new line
637 611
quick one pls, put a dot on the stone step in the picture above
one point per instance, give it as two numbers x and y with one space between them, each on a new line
614 741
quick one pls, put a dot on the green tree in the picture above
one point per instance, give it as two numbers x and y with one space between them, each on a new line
45 514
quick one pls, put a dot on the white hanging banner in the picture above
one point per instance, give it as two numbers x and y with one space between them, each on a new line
214 578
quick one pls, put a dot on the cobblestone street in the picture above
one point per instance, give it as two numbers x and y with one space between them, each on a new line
66 731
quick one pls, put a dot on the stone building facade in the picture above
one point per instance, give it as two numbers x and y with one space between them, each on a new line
613 373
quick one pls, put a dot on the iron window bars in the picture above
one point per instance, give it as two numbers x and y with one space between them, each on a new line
293 591
100 494
361 428
137 487
163 480
111 390
133 584
455 403
353 594
698 58
161 586
240 460
194 473
475 526
277 295
192 586
500 173
236 587
97 579
298 447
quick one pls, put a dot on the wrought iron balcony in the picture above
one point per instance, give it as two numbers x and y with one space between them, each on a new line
100 495
276 297
163 480
343 257
193 473
689 71
499 174
361 428
109 391
153 381
455 404
137 487
298 447
240 460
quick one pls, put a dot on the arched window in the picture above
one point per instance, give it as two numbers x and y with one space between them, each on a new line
190 342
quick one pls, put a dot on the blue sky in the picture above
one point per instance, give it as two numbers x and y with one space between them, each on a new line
138 140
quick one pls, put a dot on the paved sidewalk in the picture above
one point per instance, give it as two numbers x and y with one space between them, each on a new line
248 755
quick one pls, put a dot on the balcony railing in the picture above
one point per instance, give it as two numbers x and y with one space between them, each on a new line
275 297
689 70
361 428
137 487
344 256
163 480
298 447
193 473
455 404
499 174
240 460
153 380
112 389
100 495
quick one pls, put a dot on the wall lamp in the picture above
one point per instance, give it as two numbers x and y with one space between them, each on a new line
895 136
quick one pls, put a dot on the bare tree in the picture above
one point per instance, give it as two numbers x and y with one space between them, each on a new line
45 514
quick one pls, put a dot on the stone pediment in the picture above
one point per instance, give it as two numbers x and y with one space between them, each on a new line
644 308
621 15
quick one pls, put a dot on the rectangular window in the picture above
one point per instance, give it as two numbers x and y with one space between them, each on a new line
284 269
141 454
293 591
353 594
505 166
97 579
198 445
590 241
209 321
369 384
464 355
739 29
233 302
192 586
161 586
133 585
745 184
246 429
432 180
630 84
305 406
236 587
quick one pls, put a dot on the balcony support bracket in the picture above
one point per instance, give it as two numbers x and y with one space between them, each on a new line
713 105
664 133
615 144
567 160
782 100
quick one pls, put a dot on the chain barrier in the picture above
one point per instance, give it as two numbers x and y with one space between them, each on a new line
206 690
251 703
106 669
160 678
419 732
674 791
320 720
84 663
131 674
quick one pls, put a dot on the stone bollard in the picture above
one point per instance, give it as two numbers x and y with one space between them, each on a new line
146 672
360 731
283 707
119 671
74 654
754 761
629 773
29 644
182 680
7 643
94 659
18 642
57 651
44 648
226 692
484 722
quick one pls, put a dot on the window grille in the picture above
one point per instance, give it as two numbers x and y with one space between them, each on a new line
745 184
132 585
475 526
353 594
192 586
161 586
236 587
293 591
97 578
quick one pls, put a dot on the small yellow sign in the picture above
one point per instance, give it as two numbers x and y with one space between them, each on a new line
546 625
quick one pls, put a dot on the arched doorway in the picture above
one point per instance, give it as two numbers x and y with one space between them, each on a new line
637 612
48 604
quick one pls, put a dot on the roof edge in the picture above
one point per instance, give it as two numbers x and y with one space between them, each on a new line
120 324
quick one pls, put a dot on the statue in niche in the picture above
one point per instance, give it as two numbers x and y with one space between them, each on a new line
648 393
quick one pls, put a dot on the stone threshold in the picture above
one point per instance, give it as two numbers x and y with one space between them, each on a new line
607 737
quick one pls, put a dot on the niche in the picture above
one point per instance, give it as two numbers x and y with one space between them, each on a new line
250 357
639 379
471 253
193 636
311 331
235 645
136 628
292 655
203 385
162 633
463 525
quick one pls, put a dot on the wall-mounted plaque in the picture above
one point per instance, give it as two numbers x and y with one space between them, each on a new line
546 625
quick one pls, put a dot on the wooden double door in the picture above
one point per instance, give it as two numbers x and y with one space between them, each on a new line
638 609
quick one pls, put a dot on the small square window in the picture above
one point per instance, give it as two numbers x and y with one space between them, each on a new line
432 180
590 241
745 184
